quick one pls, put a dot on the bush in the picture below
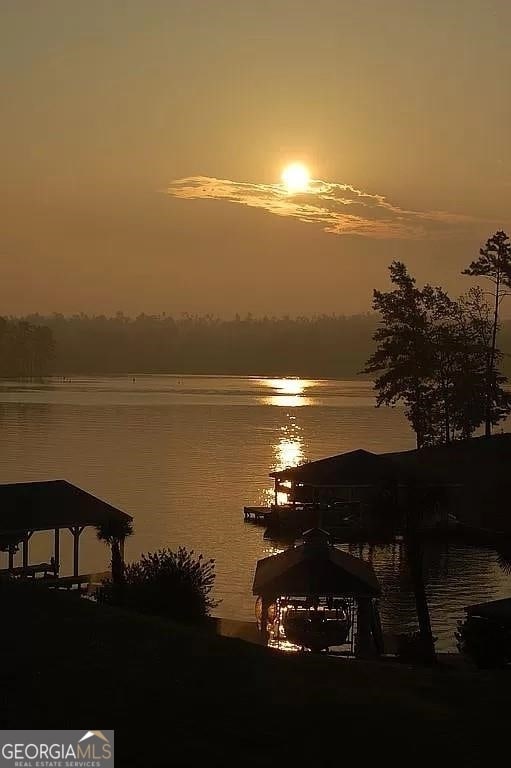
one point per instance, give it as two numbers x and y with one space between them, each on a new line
485 642
410 648
166 583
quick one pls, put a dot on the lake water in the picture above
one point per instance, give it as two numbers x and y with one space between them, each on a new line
183 454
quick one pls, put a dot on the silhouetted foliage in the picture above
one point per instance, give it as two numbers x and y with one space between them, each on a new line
409 647
113 532
166 583
321 346
432 355
494 263
26 350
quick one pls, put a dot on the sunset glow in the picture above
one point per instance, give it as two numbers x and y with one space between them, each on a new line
287 392
256 302
296 178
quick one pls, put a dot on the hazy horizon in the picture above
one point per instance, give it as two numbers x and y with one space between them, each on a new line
144 145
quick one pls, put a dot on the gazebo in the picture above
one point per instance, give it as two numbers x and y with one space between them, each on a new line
54 505
319 585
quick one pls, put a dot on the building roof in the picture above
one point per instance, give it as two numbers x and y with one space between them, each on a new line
496 610
51 504
353 468
483 460
315 567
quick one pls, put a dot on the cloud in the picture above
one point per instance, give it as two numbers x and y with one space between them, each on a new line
337 208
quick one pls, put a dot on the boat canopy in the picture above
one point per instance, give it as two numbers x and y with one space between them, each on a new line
315 567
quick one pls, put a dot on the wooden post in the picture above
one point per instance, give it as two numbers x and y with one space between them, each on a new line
363 644
25 549
56 552
26 556
376 628
76 531
76 551
264 619
11 556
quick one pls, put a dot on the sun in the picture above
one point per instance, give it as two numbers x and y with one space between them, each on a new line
296 178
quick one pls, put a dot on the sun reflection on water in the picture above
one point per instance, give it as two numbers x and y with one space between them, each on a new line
289 386
288 451
289 448
287 393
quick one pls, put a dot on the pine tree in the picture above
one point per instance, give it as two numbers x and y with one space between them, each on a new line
494 263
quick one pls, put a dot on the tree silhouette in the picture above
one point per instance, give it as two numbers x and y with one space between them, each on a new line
113 533
321 346
432 355
419 502
407 514
26 349
403 357
494 263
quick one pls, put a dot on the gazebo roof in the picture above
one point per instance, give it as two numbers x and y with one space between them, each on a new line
315 567
42 506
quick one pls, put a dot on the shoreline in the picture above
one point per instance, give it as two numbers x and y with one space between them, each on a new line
229 700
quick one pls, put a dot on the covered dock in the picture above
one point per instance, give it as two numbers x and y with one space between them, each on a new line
345 477
315 576
356 490
336 493
53 505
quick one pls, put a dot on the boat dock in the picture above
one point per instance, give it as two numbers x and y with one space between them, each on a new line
257 514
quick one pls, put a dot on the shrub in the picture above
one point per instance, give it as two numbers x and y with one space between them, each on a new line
410 648
166 583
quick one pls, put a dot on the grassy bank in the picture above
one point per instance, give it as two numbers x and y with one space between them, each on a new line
178 696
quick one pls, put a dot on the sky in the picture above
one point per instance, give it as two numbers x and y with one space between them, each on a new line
143 145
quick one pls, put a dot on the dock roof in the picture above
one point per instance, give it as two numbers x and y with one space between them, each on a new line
354 468
315 567
483 460
495 610
50 504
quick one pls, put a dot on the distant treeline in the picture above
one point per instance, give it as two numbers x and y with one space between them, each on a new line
26 349
328 346
320 346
